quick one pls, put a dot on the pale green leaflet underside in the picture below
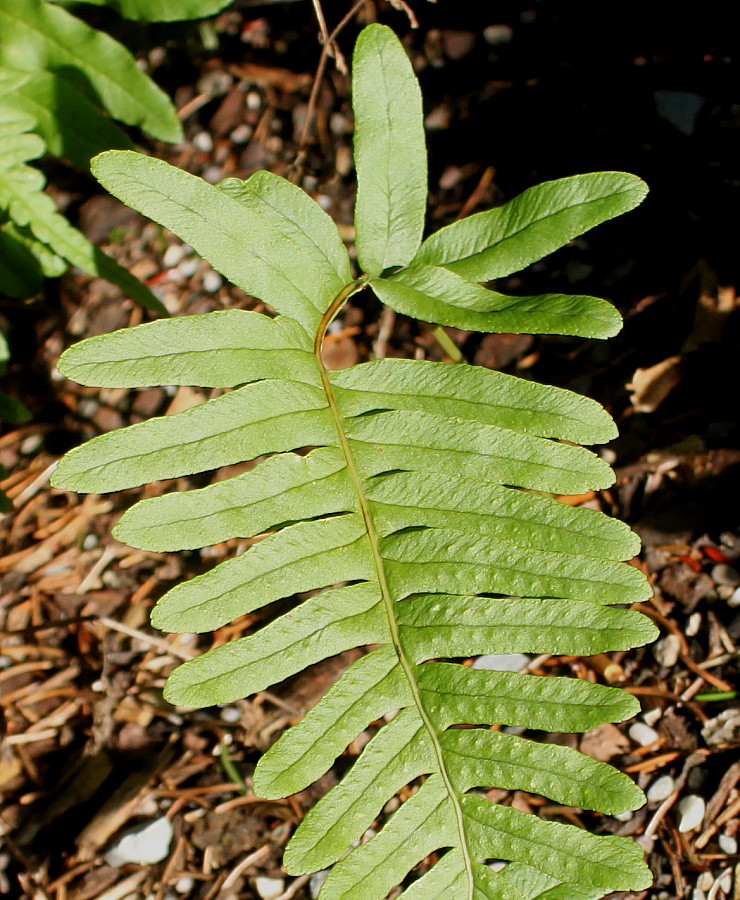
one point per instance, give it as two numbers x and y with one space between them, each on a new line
405 500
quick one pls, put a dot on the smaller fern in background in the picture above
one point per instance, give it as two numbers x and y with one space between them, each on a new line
404 495
62 85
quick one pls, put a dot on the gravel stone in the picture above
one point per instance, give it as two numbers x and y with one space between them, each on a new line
728 844
269 888
692 810
660 789
666 650
643 734
501 662
143 845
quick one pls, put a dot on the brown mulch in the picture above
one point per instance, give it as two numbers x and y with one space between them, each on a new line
90 747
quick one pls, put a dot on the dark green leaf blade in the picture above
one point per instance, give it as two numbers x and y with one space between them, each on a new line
39 35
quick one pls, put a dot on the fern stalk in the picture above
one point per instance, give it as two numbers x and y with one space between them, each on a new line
389 603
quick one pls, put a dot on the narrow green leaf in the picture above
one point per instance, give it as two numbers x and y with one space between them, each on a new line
278 566
520 625
265 417
21 193
38 35
423 824
162 10
19 148
282 489
371 687
454 694
434 294
435 560
564 851
420 441
472 392
413 499
477 757
291 259
67 119
543 218
330 622
397 754
20 275
390 156
220 349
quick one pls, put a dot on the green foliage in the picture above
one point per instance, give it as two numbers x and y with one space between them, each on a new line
58 79
405 498
159 10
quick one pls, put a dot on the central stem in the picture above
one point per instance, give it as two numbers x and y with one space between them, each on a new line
388 601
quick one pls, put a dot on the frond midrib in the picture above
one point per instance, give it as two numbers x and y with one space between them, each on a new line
388 601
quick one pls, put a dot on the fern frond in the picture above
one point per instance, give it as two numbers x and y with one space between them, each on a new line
39 36
400 495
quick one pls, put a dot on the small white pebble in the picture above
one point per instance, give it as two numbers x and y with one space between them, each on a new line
652 716
324 201
692 810
693 625
725 882
728 844
666 650
643 734
86 409
501 662
660 789
698 894
497 865
253 100
212 281
188 267
212 174
144 845
172 255
624 816
90 541
184 884
203 141
269 888
734 600
31 444
230 714
242 133
705 881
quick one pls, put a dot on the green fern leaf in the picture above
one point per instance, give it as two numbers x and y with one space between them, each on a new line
160 10
37 36
407 498
70 123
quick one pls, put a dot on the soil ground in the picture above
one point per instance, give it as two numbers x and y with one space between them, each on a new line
513 96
